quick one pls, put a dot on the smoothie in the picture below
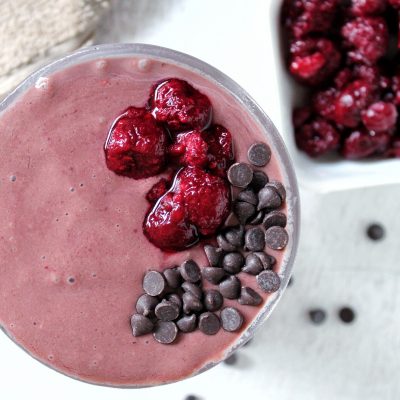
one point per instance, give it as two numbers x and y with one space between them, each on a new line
72 249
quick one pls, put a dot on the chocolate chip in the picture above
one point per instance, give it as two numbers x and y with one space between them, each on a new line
213 300
230 287
165 332
154 283
187 323
260 179
167 311
240 174
248 196
259 154
235 236
224 244
141 325
146 304
375 232
209 323
175 298
254 239
213 254
267 260
257 219
268 281
253 264
233 262
231 360
274 218
231 319
192 288
213 275
191 303
317 315
173 277
276 238
279 188
268 197
249 297
347 315
231 220
190 271
244 211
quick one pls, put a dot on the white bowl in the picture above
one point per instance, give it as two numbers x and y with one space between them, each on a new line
326 175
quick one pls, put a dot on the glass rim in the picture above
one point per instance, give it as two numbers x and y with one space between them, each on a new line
186 61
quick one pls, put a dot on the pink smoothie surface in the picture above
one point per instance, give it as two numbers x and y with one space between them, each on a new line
72 251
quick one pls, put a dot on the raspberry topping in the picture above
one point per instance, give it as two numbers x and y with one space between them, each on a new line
136 145
180 106
360 144
380 117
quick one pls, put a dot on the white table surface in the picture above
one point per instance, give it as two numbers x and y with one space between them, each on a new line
337 265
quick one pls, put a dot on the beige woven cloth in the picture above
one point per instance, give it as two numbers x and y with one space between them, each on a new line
35 31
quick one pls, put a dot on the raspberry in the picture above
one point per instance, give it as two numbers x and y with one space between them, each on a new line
351 101
361 144
180 106
324 103
313 60
157 190
367 38
317 137
301 115
394 3
380 117
394 149
396 89
362 8
136 145
302 17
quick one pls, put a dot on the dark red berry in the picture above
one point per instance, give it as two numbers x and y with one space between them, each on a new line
380 117
136 145
312 61
301 115
366 38
343 77
180 106
394 3
324 103
361 144
362 8
317 137
158 190
394 149
396 89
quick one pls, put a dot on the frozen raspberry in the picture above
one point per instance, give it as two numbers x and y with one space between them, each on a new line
367 38
157 190
394 3
317 137
362 8
220 149
136 145
302 17
324 103
313 60
180 106
343 77
394 149
361 144
396 89
301 115
351 101
380 117
189 149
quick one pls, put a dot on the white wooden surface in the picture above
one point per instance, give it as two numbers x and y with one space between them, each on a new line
337 265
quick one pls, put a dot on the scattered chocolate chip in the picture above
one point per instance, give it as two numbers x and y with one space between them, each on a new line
213 300
253 264
154 283
233 262
213 254
146 304
176 299
268 281
375 232
248 196
190 271
230 287
267 260
231 360
249 297
274 218
231 220
192 288
317 316
347 315
187 323
279 188
259 154
254 239
191 303
209 323
235 236
173 277
231 319
240 174
224 244
213 275
167 311
268 197
260 179
244 211
141 325
257 219
165 332
276 238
